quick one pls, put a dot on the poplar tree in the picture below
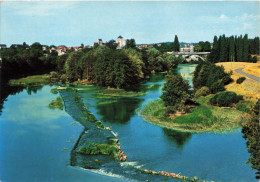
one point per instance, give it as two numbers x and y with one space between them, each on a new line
232 49
223 49
245 48
240 49
176 44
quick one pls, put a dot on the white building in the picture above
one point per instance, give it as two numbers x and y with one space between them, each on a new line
121 42
189 48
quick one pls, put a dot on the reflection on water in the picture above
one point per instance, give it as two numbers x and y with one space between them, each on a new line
156 77
33 89
120 111
180 138
5 91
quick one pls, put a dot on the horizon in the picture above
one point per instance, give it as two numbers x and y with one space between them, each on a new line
75 22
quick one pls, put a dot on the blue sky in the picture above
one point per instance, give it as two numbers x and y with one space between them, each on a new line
74 22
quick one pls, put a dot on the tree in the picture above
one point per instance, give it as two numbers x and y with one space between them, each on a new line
176 44
207 47
212 76
130 43
232 49
245 48
176 89
223 49
112 44
251 131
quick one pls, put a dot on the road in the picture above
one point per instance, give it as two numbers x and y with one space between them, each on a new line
247 75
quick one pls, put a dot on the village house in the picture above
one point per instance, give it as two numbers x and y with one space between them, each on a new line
121 42
3 46
99 43
62 50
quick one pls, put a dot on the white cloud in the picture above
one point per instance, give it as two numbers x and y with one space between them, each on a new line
223 17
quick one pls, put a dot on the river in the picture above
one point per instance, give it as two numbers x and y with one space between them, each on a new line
36 142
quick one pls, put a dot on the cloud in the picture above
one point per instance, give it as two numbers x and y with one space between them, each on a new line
223 17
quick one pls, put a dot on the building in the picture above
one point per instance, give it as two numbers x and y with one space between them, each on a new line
121 42
3 46
99 43
62 50
187 48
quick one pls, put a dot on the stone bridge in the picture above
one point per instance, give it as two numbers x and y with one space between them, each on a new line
188 56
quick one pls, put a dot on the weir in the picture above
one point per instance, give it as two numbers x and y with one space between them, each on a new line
95 133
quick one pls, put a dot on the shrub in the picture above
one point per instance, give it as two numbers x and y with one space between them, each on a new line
203 91
254 59
54 74
226 99
240 80
169 110
217 86
63 78
242 107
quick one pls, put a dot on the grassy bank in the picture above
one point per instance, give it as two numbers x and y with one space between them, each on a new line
107 93
31 80
202 118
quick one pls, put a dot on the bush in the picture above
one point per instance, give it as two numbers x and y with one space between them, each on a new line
217 87
240 80
169 110
63 78
54 74
242 106
203 91
226 99
254 59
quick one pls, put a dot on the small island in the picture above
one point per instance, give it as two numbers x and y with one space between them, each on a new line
208 107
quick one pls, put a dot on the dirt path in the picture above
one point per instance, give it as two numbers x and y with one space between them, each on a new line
247 75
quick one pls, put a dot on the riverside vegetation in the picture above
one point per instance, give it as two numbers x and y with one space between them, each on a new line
126 68
211 109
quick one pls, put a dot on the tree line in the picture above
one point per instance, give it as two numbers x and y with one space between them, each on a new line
110 67
234 49
23 60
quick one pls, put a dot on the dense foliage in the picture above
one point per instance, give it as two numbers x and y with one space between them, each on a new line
240 80
232 48
251 131
212 76
203 91
21 60
203 46
176 91
116 68
225 99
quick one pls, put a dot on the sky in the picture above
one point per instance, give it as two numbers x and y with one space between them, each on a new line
74 22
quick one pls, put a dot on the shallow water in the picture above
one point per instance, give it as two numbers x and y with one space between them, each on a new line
36 141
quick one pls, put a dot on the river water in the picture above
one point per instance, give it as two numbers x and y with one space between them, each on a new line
36 142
